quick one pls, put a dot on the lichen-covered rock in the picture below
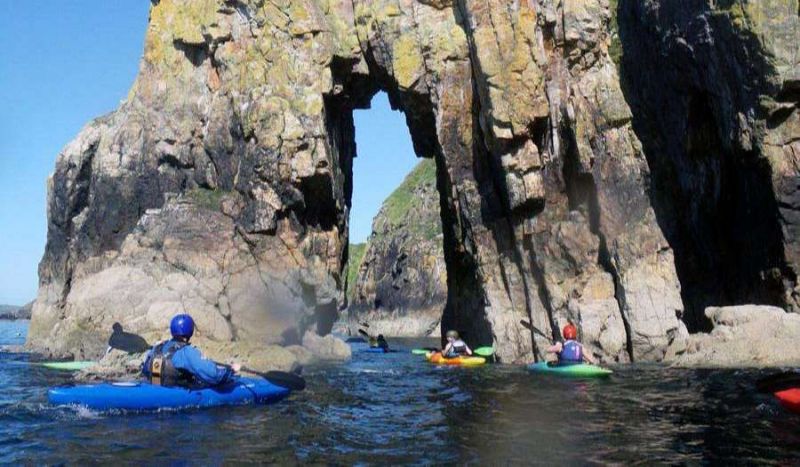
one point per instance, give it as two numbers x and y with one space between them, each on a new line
222 185
400 287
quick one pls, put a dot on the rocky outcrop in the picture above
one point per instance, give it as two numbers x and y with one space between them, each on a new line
742 336
11 312
223 183
117 364
400 287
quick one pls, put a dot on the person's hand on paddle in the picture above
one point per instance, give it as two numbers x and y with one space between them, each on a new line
236 367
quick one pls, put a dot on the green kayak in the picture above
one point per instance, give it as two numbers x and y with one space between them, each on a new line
67 366
581 371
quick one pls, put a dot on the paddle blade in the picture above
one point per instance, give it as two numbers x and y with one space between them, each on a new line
363 333
67 366
484 351
424 350
286 380
779 382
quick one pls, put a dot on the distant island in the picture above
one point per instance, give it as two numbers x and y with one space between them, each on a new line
13 312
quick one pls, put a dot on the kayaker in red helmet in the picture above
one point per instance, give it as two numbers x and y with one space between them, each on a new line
570 352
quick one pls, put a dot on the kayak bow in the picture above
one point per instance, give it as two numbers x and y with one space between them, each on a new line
67 366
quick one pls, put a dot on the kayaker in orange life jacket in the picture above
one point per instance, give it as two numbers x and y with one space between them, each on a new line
177 363
570 352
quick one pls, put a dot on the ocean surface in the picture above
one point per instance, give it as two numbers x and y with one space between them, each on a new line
397 409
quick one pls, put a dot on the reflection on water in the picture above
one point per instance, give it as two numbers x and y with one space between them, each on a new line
395 408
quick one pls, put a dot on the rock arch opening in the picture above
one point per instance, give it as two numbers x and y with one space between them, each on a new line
395 278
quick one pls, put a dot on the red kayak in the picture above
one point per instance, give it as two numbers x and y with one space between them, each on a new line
790 399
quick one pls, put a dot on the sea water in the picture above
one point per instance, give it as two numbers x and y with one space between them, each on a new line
397 409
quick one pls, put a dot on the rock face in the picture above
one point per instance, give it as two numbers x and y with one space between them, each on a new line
222 185
743 336
714 88
400 288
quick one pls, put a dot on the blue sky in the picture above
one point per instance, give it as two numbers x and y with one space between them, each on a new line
64 62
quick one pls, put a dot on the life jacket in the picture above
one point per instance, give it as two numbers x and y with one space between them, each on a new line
459 347
161 370
571 352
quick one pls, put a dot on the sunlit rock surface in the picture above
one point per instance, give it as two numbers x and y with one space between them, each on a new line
617 165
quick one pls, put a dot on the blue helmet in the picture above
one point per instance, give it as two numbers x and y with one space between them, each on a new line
182 326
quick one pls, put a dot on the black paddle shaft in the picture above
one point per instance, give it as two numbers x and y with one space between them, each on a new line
534 329
278 378
281 378
779 382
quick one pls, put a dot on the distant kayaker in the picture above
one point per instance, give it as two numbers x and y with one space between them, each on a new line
177 363
381 342
455 346
570 352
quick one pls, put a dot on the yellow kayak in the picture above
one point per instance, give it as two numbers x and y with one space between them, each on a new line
437 358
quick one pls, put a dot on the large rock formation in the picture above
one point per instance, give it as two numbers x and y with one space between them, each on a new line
222 185
400 288
743 336
715 87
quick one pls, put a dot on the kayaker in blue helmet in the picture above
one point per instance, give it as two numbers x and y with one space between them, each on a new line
177 363
455 346
570 352
381 342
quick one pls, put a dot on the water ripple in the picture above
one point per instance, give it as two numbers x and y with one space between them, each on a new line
397 409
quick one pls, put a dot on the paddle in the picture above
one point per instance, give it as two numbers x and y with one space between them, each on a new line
533 328
424 350
364 333
278 378
779 382
281 378
484 351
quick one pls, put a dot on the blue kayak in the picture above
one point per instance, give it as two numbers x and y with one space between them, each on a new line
146 396
377 350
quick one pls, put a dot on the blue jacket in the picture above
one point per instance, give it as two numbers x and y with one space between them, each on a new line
190 360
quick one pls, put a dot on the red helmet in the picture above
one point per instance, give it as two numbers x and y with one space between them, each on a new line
570 332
